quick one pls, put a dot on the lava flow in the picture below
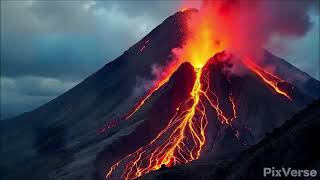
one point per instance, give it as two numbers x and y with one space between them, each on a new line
144 46
184 137
179 142
163 79
182 140
272 80
136 107
142 101
157 84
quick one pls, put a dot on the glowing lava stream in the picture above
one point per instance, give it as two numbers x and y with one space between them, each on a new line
143 100
144 46
182 140
179 142
267 77
158 84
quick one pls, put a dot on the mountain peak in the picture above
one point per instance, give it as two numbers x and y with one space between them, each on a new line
217 107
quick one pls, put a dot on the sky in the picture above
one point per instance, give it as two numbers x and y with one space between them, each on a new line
47 47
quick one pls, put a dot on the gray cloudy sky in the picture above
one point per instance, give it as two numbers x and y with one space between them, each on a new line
47 47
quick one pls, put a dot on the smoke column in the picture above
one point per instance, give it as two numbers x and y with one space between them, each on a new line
246 27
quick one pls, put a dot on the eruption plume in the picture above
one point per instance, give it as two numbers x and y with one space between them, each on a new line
246 27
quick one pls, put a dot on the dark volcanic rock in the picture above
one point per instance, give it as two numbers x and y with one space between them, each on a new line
106 94
291 145
59 140
161 107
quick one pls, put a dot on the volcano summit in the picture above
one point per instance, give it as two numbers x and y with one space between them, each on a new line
157 107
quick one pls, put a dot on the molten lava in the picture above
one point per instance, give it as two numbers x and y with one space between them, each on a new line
184 137
213 100
179 142
157 84
231 99
201 42
142 101
164 77
272 80
144 46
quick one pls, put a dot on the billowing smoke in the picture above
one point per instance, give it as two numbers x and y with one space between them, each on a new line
245 27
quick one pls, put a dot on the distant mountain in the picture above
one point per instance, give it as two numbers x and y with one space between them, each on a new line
59 140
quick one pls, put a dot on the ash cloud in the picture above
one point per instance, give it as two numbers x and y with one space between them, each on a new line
251 25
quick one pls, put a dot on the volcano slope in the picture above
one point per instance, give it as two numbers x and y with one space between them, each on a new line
291 145
229 111
74 117
60 139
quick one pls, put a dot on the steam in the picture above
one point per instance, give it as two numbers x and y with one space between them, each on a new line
159 73
143 84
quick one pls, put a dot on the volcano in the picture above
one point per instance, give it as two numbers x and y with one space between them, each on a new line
108 127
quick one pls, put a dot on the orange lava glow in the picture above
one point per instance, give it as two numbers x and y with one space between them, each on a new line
231 99
213 100
182 140
272 80
142 101
201 42
184 137
183 9
166 74
158 83
179 142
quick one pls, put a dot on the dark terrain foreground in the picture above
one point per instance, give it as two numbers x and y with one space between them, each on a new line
294 145
60 141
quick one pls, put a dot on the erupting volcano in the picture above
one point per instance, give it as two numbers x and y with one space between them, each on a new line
192 96
184 137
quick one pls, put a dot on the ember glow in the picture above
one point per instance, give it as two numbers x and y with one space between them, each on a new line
202 42
179 142
270 79
182 140
157 84
231 99
161 79
184 137
144 46
143 100
136 107
213 100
